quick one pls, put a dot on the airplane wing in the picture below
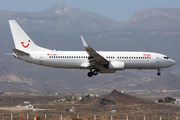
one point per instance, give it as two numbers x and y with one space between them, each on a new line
94 58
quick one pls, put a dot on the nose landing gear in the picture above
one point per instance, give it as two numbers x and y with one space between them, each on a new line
158 73
91 73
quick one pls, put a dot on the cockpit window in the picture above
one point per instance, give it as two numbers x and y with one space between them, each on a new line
166 57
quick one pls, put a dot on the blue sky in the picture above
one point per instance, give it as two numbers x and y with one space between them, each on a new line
119 10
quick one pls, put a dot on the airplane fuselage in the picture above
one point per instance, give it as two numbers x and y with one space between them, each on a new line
74 59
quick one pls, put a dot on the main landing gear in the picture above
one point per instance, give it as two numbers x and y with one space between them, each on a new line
158 73
91 73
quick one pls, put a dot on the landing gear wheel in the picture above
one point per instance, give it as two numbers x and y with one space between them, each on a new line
158 73
95 72
90 74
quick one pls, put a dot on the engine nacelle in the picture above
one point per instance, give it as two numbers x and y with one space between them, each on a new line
116 65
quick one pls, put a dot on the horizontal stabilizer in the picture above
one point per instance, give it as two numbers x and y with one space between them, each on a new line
19 52
9 53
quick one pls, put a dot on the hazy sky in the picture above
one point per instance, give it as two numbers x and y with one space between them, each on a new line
119 10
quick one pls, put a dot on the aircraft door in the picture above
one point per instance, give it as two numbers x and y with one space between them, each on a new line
40 58
157 60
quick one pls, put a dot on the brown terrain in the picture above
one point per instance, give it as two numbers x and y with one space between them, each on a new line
124 104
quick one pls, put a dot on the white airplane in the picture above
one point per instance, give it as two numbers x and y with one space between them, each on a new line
97 62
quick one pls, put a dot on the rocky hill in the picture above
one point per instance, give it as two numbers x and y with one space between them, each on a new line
118 98
59 18
167 81
113 98
62 9
155 19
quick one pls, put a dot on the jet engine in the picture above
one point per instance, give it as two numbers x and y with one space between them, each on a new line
116 65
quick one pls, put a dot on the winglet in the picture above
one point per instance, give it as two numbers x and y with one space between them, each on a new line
84 42
93 54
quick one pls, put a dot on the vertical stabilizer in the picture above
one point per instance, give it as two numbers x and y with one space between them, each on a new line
21 40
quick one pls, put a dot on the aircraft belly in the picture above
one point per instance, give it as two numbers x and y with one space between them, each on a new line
63 63
139 65
69 64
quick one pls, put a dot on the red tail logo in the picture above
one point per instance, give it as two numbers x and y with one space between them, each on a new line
26 45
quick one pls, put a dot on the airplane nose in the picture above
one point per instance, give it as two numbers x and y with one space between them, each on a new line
173 62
